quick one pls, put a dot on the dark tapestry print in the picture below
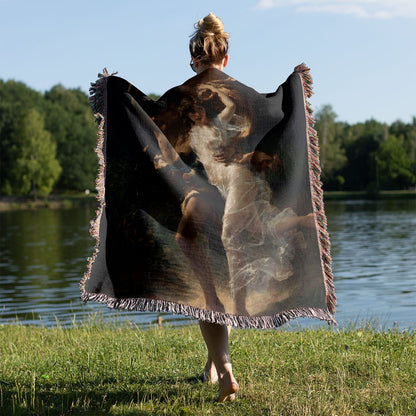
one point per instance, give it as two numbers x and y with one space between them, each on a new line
212 204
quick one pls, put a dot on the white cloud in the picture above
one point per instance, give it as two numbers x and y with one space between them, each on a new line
375 9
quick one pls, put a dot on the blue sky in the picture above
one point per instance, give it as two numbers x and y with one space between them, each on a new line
362 53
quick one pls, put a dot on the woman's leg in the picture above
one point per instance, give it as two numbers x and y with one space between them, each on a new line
197 212
210 374
216 339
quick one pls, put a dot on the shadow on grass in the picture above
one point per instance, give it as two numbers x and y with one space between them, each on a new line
100 396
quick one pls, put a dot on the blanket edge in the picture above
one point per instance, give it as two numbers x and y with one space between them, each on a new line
244 322
316 188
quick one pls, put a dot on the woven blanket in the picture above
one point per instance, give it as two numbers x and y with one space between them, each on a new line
210 202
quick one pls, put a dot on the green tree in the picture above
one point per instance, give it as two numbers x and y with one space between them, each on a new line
408 134
35 169
394 164
8 119
16 98
16 92
153 96
71 123
362 141
332 153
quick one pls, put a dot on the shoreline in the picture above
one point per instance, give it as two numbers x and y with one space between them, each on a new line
62 201
66 201
348 195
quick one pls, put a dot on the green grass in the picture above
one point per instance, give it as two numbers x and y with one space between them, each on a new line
109 369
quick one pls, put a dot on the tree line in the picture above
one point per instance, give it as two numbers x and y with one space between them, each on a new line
47 143
369 156
47 140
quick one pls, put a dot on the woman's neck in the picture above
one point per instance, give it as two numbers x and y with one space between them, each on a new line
202 67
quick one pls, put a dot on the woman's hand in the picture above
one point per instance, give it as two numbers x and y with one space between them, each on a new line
226 157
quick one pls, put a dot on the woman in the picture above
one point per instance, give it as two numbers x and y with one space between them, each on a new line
216 141
212 138
209 47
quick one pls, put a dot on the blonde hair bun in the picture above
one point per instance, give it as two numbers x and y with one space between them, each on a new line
211 25
209 42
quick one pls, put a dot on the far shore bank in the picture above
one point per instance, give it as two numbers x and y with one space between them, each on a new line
66 201
340 195
62 201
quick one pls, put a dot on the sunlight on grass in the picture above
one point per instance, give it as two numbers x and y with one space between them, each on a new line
115 368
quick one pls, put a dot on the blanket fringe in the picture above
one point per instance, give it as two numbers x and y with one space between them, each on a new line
316 188
98 103
97 91
245 322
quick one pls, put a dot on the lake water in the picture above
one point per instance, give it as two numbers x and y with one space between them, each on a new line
43 257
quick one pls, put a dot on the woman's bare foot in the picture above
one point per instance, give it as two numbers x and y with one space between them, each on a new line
209 374
228 388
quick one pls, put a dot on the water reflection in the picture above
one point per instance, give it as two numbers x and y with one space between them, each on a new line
43 257
374 260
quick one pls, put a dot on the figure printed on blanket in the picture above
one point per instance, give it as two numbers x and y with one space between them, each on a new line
259 238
